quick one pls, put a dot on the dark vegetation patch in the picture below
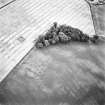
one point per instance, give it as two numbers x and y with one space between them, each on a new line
64 34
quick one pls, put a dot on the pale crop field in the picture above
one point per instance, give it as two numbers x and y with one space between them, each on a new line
23 21
71 74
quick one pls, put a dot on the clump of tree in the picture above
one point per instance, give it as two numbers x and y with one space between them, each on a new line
63 34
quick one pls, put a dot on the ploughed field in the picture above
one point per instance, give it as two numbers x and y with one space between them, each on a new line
63 74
